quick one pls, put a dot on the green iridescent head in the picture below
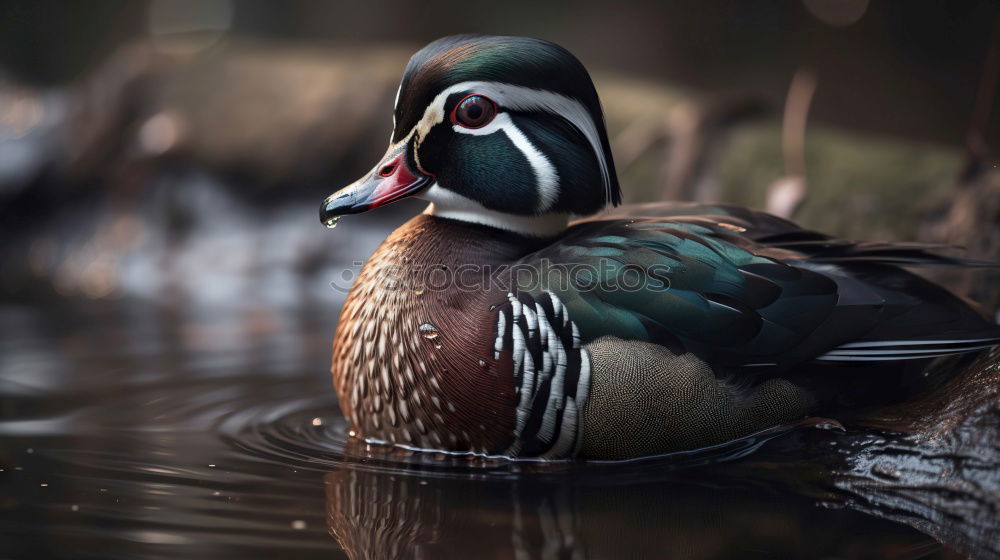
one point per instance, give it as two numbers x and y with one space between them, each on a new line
504 131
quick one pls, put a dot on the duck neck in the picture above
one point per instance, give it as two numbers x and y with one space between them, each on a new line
453 206
433 238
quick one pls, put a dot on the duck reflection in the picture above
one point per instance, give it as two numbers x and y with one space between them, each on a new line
571 515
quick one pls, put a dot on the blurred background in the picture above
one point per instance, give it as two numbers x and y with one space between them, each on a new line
171 148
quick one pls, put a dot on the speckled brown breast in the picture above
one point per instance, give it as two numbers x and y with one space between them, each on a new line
413 359
432 351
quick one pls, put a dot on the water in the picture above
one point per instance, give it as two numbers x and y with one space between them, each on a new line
132 430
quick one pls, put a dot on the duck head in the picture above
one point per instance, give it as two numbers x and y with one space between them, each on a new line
502 131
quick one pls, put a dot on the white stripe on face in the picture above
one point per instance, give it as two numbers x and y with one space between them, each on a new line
509 96
545 173
395 105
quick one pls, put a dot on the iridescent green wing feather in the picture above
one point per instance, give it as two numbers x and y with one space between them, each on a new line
740 288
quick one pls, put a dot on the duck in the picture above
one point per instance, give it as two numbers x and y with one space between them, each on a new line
527 313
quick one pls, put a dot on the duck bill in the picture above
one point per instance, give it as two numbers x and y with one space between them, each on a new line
394 178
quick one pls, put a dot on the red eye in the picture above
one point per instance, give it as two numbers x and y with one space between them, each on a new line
475 111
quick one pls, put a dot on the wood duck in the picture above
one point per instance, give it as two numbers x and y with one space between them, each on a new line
492 324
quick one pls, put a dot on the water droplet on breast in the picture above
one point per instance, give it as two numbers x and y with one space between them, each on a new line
331 222
431 333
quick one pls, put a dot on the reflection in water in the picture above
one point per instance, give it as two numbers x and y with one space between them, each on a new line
578 515
132 430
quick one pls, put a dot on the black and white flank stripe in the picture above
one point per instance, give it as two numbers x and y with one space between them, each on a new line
894 350
551 374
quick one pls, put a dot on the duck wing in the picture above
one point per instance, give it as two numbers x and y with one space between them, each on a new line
743 289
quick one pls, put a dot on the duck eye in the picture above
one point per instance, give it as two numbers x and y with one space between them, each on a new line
475 111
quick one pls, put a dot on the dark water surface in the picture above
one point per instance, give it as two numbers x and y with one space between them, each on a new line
130 430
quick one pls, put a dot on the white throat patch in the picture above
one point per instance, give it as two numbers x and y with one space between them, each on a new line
449 204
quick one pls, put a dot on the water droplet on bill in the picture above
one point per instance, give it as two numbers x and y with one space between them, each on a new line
331 222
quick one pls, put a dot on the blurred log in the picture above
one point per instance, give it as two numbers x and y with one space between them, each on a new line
277 114
273 115
935 468
860 186
972 217
696 129
972 221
